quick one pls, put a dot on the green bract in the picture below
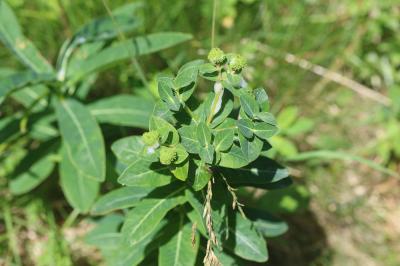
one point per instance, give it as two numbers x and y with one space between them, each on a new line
150 138
216 56
237 63
167 155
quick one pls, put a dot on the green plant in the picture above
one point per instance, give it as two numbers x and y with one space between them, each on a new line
179 178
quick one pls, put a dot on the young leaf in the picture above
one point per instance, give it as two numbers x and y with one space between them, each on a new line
144 218
168 133
179 250
11 36
181 171
120 198
186 76
82 138
144 172
123 110
262 99
251 149
167 94
79 190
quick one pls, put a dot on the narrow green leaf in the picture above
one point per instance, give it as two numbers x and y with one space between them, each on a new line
264 130
82 138
186 76
144 218
11 36
196 202
80 191
179 250
262 99
145 173
266 117
203 134
120 198
128 149
19 80
224 135
207 154
123 110
126 49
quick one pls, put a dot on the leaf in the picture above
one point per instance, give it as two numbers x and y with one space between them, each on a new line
181 154
168 133
82 138
179 250
19 80
267 224
266 117
203 134
197 215
249 105
34 168
223 139
284 146
120 198
189 138
264 130
207 154
128 149
106 233
167 94
181 171
186 76
225 110
244 241
143 219
80 191
145 173
11 36
233 158
127 49
123 110
246 127
262 99
201 177
256 174
251 149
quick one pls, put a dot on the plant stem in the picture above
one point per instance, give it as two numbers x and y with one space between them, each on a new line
71 218
213 24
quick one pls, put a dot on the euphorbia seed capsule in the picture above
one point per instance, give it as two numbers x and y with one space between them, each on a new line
167 155
237 63
216 56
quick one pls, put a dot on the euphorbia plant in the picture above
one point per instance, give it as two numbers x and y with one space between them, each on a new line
182 174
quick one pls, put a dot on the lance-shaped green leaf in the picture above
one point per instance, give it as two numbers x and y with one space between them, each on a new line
12 37
126 49
120 198
189 138
167 94
80 191
251 148
128 149
249 105
266 117
196 216
244 240
259 173
267 224
179 250
82 138
123 110
264 130
19 80
34 168
144 172
143 219
246 127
